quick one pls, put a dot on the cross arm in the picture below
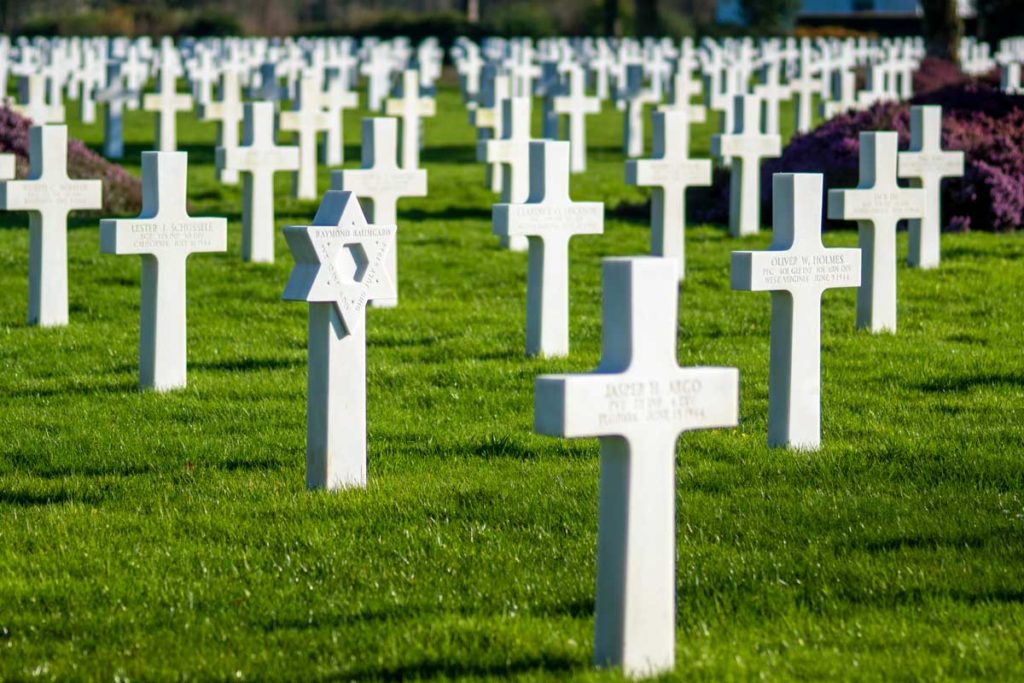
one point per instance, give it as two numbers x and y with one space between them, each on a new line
573 218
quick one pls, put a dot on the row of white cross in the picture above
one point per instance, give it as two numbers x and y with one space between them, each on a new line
637 402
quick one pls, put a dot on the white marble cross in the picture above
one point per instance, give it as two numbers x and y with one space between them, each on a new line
878 203
306 119
410 108
336 99
227 112
772 92
202 74
926 164
575 105
684 88
49 196
377 68
669 172
115 95
339 268
796 269
164 235
512 151
548 219
381 183
258 158
633 127
746 146
637 402
35 106
167 102
805 87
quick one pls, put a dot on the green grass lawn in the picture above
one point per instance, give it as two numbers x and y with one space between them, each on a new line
147 536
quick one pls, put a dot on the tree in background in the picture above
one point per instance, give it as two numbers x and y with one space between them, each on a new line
612 27
769 16
647 23
943 29
998 19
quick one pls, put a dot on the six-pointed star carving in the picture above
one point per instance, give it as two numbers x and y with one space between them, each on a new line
339 259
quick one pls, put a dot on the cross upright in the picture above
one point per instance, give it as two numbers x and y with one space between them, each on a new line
486 117
339 268
636 99
512 152
35 105
167 102
381 182
878 204
637 402
926 164
549 219
575 105
227 112
684 88
116 96
49 195
410 108
746 146
306 119
796 269
164 235
258 158
772 92
669 173
805 86
336 99
203 74
377 69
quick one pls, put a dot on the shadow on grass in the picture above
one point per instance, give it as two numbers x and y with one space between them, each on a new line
927 542
449 154
444 670
451 213
117 387
28 499
248 364
964 383
254 465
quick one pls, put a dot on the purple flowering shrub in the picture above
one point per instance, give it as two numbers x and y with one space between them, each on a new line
986 124
935 74
122 192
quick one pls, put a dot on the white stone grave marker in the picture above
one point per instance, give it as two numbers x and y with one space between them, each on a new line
307 119
512 151
227 112
410 108
548 218
926 164
637 402
877 204
49 195
746 146
575 105
339 267
258 158
796 269
167 102
164 235
381 183
670 172
336 99
35 105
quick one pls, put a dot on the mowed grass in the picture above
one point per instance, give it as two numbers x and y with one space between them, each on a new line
147 536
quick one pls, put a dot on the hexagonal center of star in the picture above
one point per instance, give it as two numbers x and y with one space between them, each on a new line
352 262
